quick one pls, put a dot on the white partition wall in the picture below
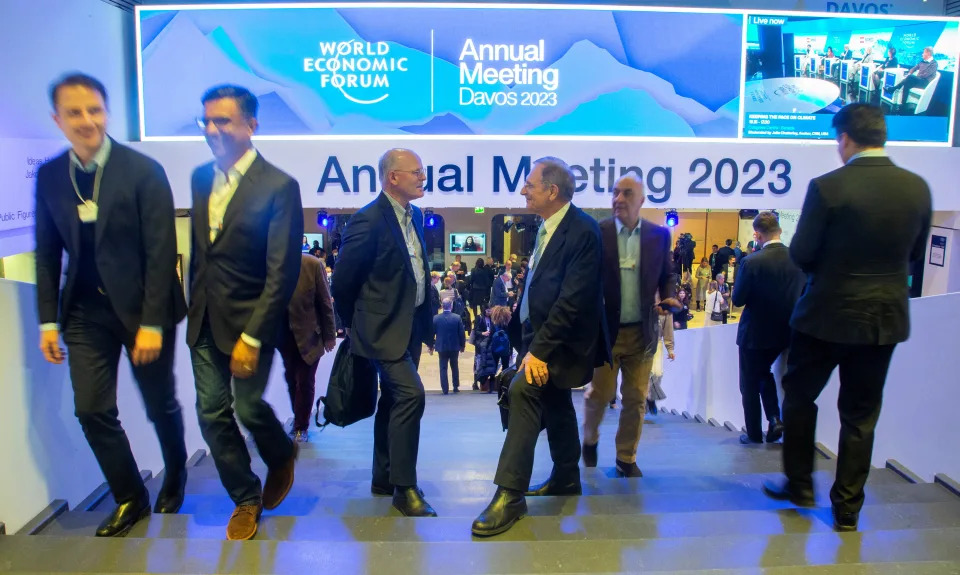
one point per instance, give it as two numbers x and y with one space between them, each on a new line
918 425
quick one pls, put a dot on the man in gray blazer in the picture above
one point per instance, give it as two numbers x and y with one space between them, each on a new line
860 228
637 267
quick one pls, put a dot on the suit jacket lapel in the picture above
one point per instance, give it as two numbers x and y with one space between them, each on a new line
386 209
418 225
244 190
649 268
110 186
556 243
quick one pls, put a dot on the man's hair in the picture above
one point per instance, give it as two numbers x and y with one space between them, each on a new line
766 223
862 123
716 246
556 172
448 282
447 303
728 243
892 50
434 275
76 79
387 162
928 49
246 101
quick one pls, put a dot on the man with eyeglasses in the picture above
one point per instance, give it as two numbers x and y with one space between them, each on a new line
380 292
247 231
111 209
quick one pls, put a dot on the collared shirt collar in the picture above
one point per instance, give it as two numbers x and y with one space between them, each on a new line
620 226
771 242
397 207
871 153
239 169
550 224
99 159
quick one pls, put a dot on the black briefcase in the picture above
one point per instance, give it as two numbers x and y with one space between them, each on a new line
352 391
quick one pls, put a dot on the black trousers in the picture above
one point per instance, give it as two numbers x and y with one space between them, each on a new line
863 372
219 396
396 426
909 82
452 358
531 408
757 386
95 336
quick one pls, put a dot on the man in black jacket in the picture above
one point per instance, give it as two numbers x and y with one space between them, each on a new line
247 229
380 291
723 258
854 309
562 333
111 209
768 283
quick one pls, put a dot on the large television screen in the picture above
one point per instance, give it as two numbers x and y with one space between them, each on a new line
842 60
468 243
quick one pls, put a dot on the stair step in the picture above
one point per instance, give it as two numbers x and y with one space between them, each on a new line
534 528
84 554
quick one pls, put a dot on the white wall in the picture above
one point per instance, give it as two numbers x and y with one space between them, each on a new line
918 422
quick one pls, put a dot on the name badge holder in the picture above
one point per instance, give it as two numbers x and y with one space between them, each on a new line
87 209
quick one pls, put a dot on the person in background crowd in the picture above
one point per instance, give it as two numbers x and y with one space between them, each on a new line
723 257
725 294
713 307
245 268
686 285
380 288
767 286
333 257
562 337
664 343
854 309
636 272
456 268
503 288
500 345
703 280
713 260
451 342
730 273
485 363
310 330
738 252
925 70
890 62
121 293
449 291
480 283
434 292
682 315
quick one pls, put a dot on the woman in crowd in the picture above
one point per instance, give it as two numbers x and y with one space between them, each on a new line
713 306
703 280
484 362
681 316
481 282
664 343
686 286
499 342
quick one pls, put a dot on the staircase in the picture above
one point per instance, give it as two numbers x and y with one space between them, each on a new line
699 508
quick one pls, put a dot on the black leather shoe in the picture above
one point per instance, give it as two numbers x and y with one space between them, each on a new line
624 469
781 491
589 455
507 507
747 440
845 521
410 502
381 489
170 498
775 431
124 517
552 487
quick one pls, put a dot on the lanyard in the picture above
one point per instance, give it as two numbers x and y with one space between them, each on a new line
96 183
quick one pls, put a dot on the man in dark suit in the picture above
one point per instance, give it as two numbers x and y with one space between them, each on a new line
310 330
723 258
451 341
768 283
379 290
247 228
636 270
111 209
562 338
854 309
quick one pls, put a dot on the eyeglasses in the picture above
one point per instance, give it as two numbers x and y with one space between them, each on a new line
219 122
416 173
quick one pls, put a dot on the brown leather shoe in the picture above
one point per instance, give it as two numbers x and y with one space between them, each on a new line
243 523
279 481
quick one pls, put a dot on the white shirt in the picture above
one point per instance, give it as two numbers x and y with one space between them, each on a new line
224 187
871 153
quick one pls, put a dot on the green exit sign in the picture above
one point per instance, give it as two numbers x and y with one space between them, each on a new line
479 210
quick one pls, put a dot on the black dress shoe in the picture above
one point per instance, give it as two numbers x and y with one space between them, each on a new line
124 517
775 431
553 487
381 489
410 502
624 469
507 507
782 491
747 440
845 521
589 455
170 498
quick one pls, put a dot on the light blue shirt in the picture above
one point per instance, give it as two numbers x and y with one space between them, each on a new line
871 153
99 159
628 248
404 215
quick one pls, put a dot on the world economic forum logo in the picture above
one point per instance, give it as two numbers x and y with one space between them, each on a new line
360 70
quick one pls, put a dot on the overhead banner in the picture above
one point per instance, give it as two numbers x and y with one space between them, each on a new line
476 70
467 174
